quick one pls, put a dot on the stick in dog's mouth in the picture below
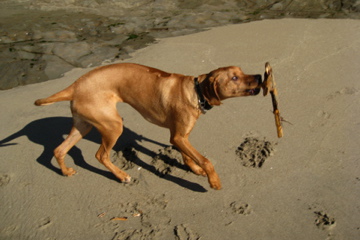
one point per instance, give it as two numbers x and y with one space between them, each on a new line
269 86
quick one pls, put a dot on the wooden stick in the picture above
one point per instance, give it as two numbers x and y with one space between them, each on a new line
119 218
270 85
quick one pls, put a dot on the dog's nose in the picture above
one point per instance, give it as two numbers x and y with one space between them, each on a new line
258 78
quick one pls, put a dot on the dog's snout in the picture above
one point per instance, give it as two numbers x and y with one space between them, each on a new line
258 78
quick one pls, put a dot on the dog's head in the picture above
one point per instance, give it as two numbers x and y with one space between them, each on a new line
228 82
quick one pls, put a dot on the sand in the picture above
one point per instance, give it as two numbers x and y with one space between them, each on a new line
307 186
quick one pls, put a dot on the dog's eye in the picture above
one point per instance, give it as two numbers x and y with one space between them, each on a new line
234 78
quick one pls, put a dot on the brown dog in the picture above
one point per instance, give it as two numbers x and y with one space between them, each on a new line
169 100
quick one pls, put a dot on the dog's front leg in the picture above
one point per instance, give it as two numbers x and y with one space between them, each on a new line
181 141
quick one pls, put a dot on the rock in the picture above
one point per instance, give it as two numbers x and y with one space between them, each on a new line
278 6
355 6
10 73
5 39
98 56
55 36
55 67
42 39
71 52
27 55
20 72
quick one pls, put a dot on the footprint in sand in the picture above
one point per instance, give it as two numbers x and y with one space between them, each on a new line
147 215
324 221
183 232
44 223
322 119
4 179
241 208
144 233
168 161
126 158
253 152
344 91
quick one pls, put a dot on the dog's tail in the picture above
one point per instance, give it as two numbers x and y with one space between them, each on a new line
64 95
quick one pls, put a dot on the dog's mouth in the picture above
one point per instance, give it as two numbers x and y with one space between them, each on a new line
256 90
253 91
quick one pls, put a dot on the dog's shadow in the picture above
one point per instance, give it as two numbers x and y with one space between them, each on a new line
50 132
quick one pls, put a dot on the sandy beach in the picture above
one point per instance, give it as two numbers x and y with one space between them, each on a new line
308 186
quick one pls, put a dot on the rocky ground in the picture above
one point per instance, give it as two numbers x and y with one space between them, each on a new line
43 39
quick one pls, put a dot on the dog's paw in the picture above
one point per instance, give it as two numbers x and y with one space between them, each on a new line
215 185
133 182
68 172
198 170
127 179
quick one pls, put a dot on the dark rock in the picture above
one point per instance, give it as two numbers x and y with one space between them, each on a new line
43 39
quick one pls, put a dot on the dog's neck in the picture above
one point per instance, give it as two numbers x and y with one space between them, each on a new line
204 105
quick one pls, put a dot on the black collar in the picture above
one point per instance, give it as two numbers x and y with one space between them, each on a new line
203 104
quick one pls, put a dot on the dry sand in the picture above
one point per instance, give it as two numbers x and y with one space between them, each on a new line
307 188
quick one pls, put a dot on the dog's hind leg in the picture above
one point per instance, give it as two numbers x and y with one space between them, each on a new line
78 131
192 165
110 129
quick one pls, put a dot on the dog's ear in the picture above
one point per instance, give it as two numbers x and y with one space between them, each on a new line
211 90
